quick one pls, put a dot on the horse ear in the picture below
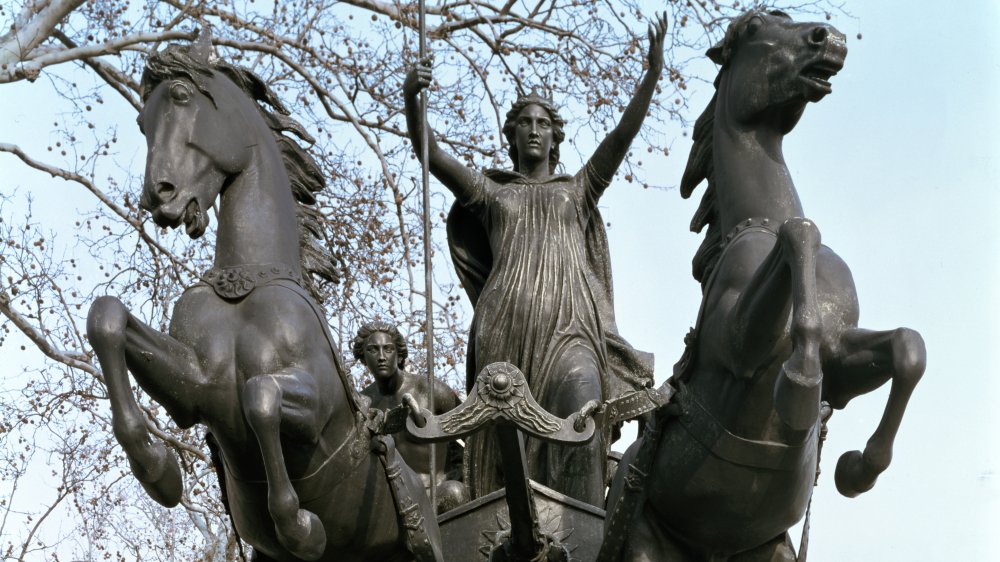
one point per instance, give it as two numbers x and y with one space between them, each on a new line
715 54
201 49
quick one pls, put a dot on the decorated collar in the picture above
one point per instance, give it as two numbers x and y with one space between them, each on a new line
754 223
238 281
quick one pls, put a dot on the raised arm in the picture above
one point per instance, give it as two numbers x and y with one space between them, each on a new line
610 153
463 181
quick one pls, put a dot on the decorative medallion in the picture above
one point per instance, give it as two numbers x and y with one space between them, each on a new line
501 395
239 281
501 392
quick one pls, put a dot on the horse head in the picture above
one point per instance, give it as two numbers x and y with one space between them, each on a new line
772 66
195 119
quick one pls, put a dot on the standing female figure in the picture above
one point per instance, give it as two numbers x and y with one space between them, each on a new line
531 251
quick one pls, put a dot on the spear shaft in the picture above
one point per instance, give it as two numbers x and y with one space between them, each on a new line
428 277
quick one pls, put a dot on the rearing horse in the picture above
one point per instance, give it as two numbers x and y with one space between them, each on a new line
248 353
777 333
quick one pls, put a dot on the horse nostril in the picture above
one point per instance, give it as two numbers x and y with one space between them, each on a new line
165 191
818 35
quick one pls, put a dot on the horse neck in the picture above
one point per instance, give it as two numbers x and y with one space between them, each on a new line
257 220
751 178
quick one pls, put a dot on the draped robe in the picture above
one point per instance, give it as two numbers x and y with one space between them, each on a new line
533 258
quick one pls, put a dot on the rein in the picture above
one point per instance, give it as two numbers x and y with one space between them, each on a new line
825 413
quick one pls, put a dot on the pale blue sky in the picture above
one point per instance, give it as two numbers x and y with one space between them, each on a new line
898 167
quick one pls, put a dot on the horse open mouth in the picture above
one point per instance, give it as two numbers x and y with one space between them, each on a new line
195 220
819 74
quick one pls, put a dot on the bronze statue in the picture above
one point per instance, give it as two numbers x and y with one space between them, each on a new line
249 353
382 349
531 251
732 463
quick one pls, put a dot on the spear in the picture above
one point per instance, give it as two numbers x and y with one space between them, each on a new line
428 279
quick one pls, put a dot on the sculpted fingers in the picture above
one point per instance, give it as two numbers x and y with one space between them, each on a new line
419 77
657 32
425 75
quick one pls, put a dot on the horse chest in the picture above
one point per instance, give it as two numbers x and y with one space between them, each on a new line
238 340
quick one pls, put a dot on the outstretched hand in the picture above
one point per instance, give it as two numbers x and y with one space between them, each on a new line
657 32
418 78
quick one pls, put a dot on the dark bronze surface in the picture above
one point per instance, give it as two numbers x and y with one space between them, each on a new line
475 530
558 328
727 466
501 398
383 350
248 353
732 465
501 394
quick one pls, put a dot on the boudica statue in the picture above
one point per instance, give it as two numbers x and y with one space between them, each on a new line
723 470
382 349
730 465
248 352
531 252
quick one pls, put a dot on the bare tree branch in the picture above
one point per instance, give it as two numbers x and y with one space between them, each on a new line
118 210
33 25
30 66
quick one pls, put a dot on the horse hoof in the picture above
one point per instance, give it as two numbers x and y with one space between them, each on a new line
850 475
307 539
161 476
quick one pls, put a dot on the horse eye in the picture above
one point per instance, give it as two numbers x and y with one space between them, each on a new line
180 92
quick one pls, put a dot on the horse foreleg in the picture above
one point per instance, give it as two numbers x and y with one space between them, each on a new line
760 316
122 344
798 388
867 360
269 403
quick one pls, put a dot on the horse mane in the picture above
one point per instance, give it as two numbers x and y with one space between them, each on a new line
304 174
701 162
701 166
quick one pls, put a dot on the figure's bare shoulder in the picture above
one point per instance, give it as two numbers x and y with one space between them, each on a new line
414 384
371 391
445 397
